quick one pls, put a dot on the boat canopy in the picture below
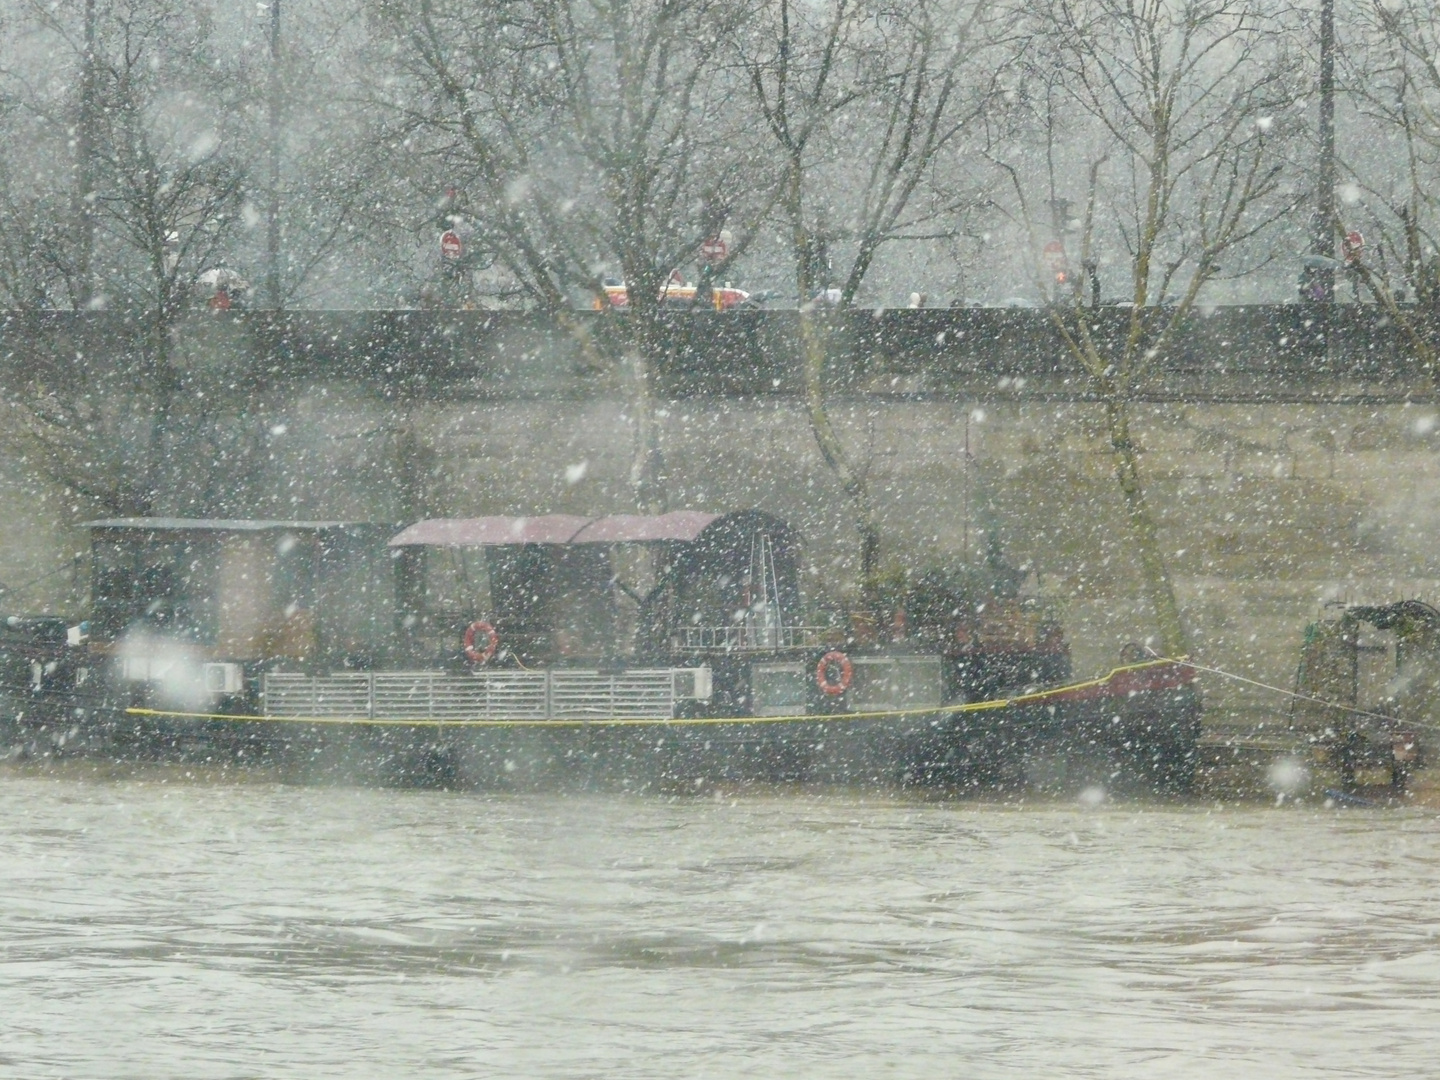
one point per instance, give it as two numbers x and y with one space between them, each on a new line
557 529
553 585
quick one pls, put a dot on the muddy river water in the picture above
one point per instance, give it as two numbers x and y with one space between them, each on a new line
159 926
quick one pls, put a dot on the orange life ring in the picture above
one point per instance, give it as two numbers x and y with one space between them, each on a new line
484 653
834 687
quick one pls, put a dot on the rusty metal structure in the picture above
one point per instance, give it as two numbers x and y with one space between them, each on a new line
1368 688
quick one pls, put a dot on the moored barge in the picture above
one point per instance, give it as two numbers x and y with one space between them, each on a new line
635 651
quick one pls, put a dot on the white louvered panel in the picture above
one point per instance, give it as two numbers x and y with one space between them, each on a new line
515 695
493 695
288 695
329 697
648 694
404 695
580 695
458 697
342 696
591 695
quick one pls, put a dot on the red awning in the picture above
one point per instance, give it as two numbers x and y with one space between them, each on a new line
491 531
681 525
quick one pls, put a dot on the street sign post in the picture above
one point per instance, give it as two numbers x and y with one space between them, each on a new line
1053 256
1353 247
717 248
450 246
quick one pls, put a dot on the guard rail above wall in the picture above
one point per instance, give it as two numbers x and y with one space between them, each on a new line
1264 352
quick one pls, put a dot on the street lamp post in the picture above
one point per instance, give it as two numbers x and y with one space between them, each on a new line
84 194
272 233
1323 232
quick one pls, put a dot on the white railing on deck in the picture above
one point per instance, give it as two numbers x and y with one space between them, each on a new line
742 638
555 694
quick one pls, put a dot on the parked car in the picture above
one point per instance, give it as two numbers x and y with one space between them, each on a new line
677 292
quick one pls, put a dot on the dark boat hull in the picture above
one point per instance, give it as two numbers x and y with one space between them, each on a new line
1135 730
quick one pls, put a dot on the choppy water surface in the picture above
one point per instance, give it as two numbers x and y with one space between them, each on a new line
163 928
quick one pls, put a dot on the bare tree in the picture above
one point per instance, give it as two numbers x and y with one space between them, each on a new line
1395 85
319 183
1191 97
590 137
863 103
38 226
165 191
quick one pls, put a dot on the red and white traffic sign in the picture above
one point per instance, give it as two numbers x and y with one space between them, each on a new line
1354 246
450 245
716 248
1053 255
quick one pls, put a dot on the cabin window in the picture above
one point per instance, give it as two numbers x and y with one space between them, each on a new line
166 586
457 582
294 574
778 689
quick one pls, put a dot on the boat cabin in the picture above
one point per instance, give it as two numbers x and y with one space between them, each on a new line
243 591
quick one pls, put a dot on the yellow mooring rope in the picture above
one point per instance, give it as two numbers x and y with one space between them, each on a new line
1309 699
1036 698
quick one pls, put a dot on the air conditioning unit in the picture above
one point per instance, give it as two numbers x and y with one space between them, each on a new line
224 679
691 684
154 668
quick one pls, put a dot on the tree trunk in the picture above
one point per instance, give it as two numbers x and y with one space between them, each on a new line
1155 575
834 454
869 563
165 384
647 464
1418 323
813 358
412 467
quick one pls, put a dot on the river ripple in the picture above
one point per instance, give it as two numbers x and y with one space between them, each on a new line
160 927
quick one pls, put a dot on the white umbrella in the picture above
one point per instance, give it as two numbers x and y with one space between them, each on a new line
222 278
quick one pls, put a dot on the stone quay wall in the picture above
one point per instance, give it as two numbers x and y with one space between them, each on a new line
1290 453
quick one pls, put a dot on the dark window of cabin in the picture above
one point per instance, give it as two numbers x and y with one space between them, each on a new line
162 584
293 585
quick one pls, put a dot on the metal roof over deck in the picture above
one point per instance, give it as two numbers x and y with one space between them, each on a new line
678 525
164 524
683 525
